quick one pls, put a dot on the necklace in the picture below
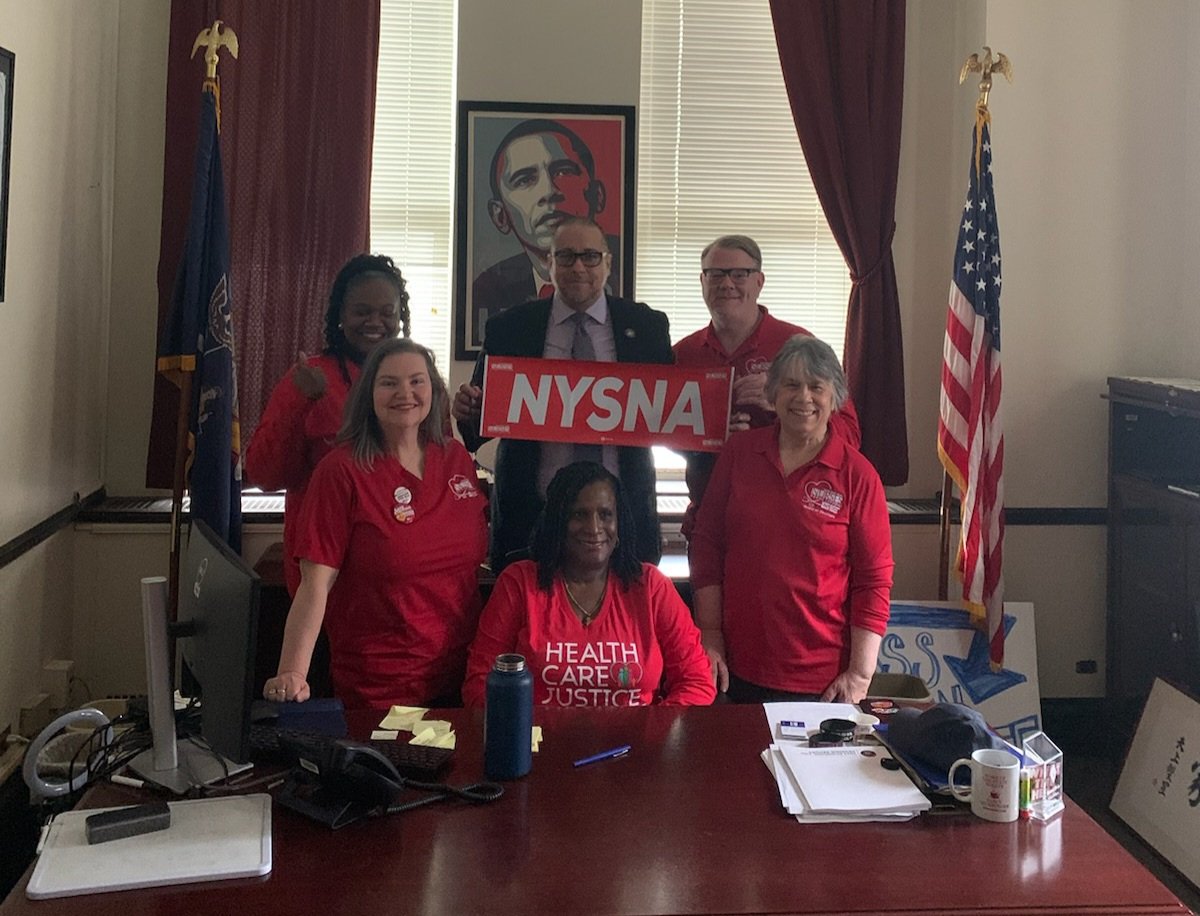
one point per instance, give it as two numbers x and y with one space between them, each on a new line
585 615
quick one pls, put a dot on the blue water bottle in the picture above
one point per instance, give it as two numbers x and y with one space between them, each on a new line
508 719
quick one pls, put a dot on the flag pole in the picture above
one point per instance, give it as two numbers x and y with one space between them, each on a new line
985 67
212 40
944 537
178 484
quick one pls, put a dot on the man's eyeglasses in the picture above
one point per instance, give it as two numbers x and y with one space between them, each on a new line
565 257
736 274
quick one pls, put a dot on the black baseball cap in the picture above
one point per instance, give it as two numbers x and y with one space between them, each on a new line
941 734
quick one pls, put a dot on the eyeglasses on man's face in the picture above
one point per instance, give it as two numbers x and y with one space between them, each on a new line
736 274
565 257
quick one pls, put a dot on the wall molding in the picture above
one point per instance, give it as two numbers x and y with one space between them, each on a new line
30 538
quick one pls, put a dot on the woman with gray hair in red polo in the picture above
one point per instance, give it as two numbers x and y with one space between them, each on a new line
791 558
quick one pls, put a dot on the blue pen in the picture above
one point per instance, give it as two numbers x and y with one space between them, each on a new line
604 755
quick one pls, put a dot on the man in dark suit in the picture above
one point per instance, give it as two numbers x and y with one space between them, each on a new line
618 331
541 173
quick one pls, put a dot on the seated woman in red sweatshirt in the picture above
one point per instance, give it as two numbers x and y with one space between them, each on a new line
596 626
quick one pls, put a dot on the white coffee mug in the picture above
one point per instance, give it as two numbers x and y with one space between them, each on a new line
995 776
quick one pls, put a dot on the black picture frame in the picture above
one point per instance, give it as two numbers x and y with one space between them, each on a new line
8 64
496 241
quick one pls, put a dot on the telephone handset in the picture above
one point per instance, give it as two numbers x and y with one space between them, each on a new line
338 782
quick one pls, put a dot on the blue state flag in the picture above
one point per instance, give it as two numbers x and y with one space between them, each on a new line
198 339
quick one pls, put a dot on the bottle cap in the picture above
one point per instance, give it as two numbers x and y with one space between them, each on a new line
509 662
842 728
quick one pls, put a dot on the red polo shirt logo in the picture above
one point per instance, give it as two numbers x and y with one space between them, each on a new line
462 488
820 496
757 365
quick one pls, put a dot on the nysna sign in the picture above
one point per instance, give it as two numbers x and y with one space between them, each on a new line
566 400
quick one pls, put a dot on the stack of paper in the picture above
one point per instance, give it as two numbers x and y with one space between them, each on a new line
836 784
846 783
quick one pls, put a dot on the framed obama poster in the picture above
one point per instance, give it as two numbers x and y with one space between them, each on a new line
522 169
7 65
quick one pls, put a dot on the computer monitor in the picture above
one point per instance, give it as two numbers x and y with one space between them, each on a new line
216 637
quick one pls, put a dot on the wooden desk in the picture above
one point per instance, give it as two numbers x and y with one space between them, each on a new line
688 822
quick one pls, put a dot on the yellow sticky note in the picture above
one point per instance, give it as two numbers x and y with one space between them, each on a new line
401 718
447 740
381 734
430 738
535 735
437 726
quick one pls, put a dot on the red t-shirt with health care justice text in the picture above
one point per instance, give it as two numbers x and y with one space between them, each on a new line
619 660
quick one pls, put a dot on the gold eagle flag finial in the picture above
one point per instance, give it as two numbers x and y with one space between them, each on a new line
985 68
212 40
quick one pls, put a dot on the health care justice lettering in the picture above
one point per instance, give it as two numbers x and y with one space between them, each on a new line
567 400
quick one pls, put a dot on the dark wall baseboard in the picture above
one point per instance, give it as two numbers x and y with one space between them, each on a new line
27 540
267 508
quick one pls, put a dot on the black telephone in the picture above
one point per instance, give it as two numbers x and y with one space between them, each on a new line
337 782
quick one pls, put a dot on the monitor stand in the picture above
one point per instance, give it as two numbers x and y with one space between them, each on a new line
175 765
195 766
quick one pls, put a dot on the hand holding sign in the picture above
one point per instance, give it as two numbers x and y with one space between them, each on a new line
466 402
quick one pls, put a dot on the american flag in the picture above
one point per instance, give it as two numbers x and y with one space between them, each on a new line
970 431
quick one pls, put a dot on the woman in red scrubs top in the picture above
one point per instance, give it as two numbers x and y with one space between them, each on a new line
390 541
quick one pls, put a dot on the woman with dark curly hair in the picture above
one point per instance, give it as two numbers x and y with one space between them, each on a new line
367 305
597 626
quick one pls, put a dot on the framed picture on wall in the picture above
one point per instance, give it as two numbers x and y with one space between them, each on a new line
8 62
522 169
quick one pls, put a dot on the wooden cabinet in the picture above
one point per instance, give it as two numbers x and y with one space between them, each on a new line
1153 534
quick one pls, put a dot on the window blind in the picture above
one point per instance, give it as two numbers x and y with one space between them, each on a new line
412 167
718 155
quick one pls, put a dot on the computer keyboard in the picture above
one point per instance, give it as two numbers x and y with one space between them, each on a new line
413 761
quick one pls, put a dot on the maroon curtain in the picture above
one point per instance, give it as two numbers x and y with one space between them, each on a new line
843 64
297 122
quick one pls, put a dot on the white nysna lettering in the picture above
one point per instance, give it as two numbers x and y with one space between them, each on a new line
571 396
641 403
605 422
687 410
523 396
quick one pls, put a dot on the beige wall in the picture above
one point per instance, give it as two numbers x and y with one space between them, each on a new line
54 320
137 220
1097 201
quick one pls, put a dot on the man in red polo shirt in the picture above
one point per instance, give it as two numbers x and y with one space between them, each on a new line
742 334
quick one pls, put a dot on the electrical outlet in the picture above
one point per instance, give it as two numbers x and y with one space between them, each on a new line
56 681
1085 666
35 715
